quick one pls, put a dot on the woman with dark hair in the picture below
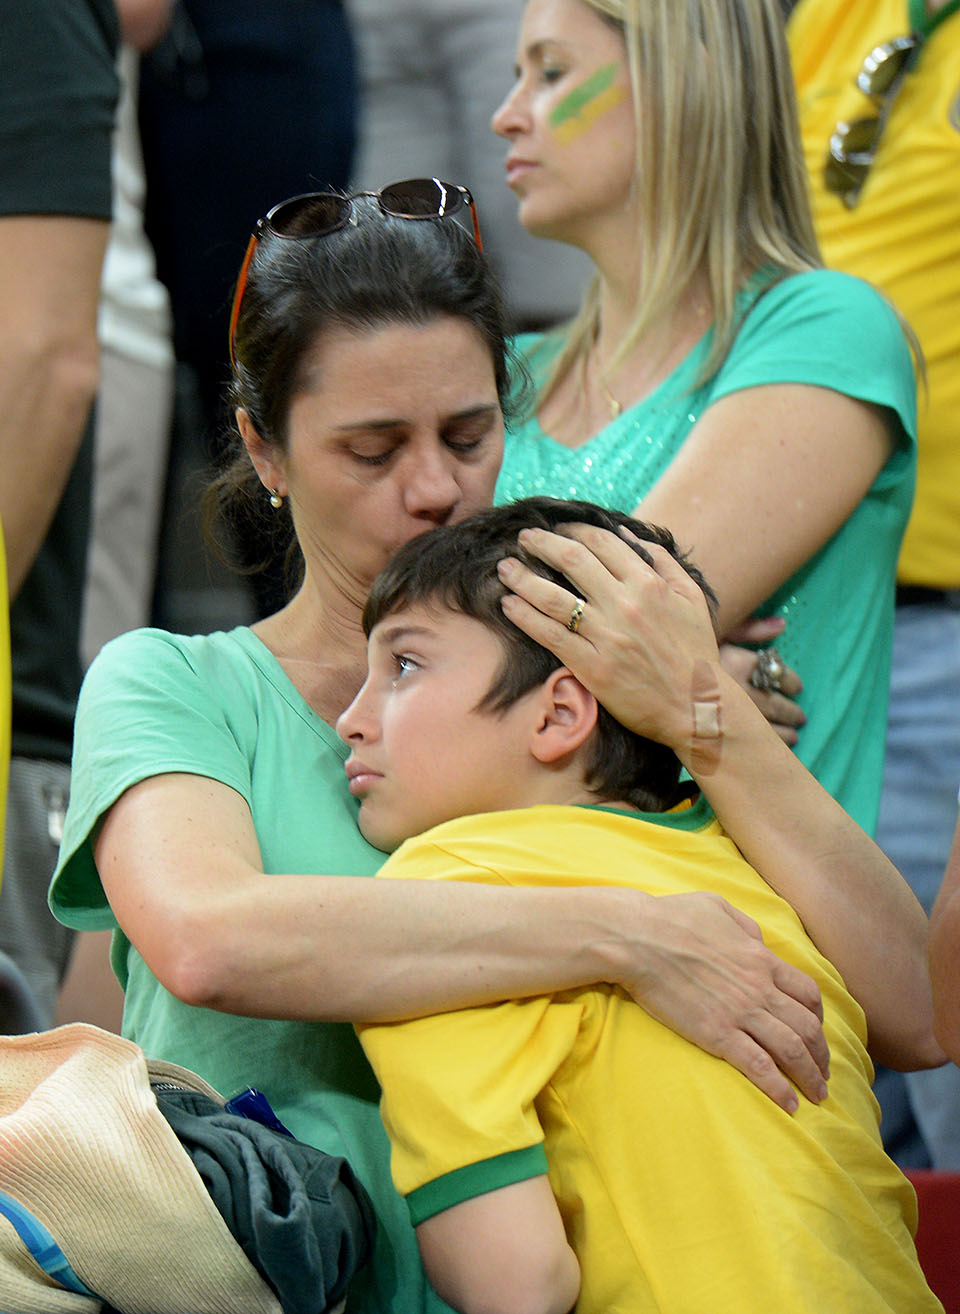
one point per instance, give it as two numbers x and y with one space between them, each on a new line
210 823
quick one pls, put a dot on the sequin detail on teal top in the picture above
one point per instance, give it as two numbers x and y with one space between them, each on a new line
839 606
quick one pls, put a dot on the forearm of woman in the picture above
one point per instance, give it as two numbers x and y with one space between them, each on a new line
944 955
853 902
180 864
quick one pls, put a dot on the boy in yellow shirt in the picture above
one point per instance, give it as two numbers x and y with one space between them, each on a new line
571 1149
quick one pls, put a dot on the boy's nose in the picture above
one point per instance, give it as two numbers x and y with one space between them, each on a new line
348 723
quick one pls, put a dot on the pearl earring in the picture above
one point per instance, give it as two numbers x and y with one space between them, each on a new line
276 501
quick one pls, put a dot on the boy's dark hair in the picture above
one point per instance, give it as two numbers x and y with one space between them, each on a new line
456 567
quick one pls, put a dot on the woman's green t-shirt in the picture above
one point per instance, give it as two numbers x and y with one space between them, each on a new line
828 330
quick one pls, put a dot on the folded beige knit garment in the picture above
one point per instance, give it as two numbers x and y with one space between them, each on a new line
85 1150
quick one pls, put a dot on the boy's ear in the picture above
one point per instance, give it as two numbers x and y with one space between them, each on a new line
266 458
568 715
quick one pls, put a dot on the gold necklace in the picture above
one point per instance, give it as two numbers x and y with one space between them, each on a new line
616 408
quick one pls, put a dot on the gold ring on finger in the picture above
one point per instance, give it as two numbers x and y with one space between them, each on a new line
576 616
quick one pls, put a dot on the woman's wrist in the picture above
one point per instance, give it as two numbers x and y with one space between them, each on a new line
691 722
612 935
720 714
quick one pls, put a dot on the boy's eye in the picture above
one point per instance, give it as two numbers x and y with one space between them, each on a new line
552 74
403 665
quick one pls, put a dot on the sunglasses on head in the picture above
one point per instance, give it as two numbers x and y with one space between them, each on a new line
853 146
317 214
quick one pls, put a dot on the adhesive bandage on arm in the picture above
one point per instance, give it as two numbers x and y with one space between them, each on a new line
707 739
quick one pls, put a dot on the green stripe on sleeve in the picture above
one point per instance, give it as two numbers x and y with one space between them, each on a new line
475 1179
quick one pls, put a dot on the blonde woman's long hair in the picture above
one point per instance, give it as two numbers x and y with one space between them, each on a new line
720 179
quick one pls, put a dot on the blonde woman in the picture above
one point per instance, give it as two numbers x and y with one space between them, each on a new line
717 380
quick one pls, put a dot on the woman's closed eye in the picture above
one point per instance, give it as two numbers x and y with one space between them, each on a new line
468 433
379 455
463 446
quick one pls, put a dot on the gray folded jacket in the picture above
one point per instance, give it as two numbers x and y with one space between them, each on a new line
301 1216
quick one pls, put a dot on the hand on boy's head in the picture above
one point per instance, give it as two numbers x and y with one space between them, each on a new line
643 629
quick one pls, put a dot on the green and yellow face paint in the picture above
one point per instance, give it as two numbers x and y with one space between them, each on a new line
579 110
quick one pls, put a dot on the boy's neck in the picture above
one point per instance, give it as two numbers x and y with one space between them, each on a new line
552 792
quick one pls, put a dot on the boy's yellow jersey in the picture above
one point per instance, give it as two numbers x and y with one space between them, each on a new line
682 1187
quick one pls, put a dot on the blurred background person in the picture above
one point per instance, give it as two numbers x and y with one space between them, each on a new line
58 91
431 74
879 97
706 383
241 103
135 399
131 440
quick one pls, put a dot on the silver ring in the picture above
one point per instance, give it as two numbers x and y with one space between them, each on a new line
576 616
769 671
